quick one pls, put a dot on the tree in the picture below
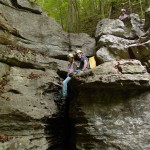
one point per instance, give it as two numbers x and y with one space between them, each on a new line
75 15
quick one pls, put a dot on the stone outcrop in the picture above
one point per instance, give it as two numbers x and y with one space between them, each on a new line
33 49
110 109
122 40
83 42
109 104
117 74
42 34
30 84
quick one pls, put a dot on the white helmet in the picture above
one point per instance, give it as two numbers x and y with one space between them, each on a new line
70 55
123 10
78 51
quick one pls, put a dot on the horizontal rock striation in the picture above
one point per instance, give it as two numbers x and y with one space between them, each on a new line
110 109
109 105
123 40
33 53
114 74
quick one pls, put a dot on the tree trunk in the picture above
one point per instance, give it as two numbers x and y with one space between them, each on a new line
141 8
130 6
42 3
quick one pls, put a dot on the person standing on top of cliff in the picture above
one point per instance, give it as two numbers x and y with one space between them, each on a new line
123 15
84 63
71 68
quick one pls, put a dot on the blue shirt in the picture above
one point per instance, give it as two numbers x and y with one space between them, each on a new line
83 58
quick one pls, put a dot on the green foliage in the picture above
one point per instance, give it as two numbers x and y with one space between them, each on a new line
32 1
83 15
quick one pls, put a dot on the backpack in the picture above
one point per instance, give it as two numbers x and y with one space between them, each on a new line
92 62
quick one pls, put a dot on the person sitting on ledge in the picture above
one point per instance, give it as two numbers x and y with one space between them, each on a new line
123 15
71 68
84 63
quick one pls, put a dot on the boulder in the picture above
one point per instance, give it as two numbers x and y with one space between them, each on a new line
115 48
6 2
31 79
29 95
109 26
48 37
137 25
111 106
83 42
4 70
124 44
42 34
28 98
115 74
111 119
104 55
27 58
28 6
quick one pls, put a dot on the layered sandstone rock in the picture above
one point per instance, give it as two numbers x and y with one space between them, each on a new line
33 49
109 104
111 107
122 40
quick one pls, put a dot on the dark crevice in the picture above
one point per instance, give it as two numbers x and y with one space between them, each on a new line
62 74
5 4
131 54
14 91
60 57
14 33
14 62
58 134
60 129
15 4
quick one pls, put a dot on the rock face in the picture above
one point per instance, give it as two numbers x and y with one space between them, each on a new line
111 107
110 103
33 49
42 34
83 42
122 40
29 83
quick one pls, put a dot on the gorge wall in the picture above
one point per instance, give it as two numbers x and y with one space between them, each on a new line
33 50
109 108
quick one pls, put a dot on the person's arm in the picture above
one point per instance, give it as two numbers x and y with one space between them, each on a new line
75 66
85 65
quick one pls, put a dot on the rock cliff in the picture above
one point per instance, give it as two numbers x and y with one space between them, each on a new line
33 49
109 105
110 108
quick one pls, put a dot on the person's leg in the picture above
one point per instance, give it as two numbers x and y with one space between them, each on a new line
78 70
64 89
